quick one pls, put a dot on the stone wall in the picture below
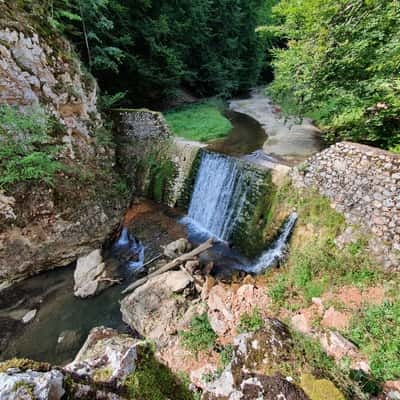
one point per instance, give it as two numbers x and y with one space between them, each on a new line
155 164
364 184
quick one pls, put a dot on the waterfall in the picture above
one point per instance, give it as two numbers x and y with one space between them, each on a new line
277 252
219 195
129 250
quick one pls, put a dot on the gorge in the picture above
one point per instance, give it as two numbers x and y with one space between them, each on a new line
217 249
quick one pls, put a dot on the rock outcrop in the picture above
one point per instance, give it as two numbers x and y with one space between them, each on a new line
107 356
30 385
251 374
44 227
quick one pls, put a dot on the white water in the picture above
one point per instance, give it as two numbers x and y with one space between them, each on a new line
132 246
277 252
219 195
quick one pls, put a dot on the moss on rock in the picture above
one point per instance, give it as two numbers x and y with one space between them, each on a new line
320 389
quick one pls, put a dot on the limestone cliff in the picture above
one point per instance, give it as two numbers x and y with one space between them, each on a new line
43 226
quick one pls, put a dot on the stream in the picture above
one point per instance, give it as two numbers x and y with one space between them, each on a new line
63 321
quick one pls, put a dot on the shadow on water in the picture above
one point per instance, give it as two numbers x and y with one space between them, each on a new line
59 314
246 136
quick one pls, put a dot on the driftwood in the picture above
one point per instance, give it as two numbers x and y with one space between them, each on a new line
152 260
173 264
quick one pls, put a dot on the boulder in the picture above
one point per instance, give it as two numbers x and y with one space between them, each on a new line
252 372
177 248
107 356
154 309
91 275
31 385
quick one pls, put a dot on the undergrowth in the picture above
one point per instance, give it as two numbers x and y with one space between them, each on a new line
200 336
202 122
152 380
27 151
251 322
376 330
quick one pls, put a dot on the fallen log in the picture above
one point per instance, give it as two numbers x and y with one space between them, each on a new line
173 264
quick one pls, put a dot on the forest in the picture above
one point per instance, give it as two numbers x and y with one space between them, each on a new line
337 61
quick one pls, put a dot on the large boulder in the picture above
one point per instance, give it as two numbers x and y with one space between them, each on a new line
31 385
154 309
253 371
107 356
91 275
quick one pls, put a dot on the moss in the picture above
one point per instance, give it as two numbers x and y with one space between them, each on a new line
25 388
24 364
102 374
320 389
154 381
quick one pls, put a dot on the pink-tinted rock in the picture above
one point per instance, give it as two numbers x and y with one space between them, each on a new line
335 319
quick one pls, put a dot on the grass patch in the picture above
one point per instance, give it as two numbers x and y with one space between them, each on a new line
251 322
154 381
201 122
377 332
200 335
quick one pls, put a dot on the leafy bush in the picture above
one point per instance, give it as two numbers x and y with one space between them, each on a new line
201 122
200 335
377 333
342 67
251 322
26 151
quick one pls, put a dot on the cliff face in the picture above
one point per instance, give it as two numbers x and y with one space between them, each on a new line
43 226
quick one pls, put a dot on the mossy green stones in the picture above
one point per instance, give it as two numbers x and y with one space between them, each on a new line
24 364
320 389
248 233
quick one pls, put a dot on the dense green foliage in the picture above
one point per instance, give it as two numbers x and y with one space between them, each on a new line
209 46
201 122
342 67
27 152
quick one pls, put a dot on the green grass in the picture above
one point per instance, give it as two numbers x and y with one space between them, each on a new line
200 335
152 380
377 332
201 122
251 322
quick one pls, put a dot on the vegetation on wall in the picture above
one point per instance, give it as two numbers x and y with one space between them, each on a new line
27 152
342 67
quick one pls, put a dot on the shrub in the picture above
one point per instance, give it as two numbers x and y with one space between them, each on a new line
343 74
26 151
200 335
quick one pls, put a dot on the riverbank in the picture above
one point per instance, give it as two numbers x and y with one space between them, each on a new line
290 139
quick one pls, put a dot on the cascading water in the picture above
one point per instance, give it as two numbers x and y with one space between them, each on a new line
277 252
219 195
130 249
